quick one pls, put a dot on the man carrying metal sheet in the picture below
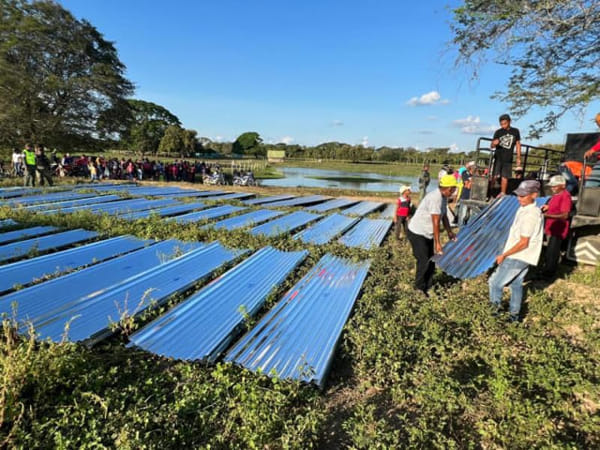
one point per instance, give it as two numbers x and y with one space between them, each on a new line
521 250
424 230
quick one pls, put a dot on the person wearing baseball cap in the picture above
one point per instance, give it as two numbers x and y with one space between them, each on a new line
424 230
402 210
521 250
556 228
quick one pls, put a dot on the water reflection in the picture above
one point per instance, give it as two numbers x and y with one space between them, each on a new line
305 177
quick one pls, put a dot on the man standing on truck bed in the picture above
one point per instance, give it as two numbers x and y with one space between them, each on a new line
505 139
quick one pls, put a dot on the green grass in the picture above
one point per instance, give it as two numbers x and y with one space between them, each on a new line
437 372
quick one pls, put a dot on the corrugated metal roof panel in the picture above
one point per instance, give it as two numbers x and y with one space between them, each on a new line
48 198
191 193
210 213
99 207
268 199
25 272
74 203
246 220
113 208
202 326
285 224
325 230
39 300
164 212
363 208
231 196
389 212
336 203
481 240
91 319
44 243
24 233
298 337
298 201
367 234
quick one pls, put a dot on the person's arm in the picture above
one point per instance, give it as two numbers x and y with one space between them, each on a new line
518 148
447 227
594 149
437 245
396 213
519 246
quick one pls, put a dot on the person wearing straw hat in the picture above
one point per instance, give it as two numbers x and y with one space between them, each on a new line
402 210
521 250
424 230
556 228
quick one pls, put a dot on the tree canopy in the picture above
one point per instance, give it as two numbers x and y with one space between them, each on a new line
61 82
147 125
249 143
552 48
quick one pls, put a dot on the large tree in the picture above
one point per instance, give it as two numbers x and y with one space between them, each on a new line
147 125
551 46
249 143
61 82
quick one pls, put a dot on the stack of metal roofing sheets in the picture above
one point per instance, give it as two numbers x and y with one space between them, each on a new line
231 196
203 326
389 211
367 234
335 203
210 213
285 224
326 229
297 338
41 300
363 208
24 233
74 203
298 201
45 243
246 220
481 240
91 319
97 206
269 199
25 272
17 192
190 193
164 212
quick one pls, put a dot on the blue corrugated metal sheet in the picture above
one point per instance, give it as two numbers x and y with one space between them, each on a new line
48 198
5 223
90 319
17 192
113 208
98 206
388 212
156 191
367 234
202 194
325 230
164 212
298 337
285 224
336 203
45 243
41 299
202 326
25 272
231 196
269 199
210 213
246 220
478 243
16 235
306 200
363 208
74 203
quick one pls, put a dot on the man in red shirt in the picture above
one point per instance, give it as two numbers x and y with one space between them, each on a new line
556 213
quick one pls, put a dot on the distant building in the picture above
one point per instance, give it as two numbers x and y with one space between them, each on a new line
276 156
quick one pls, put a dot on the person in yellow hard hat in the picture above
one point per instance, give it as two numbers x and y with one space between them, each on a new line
424 230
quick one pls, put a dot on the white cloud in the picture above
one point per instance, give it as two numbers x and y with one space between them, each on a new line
453 148
287 140
473 125
365 141
430 98
337 123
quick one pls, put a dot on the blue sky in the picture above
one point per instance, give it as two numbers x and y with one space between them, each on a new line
306 72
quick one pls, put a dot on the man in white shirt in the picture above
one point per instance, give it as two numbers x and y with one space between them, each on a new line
424 230
522 249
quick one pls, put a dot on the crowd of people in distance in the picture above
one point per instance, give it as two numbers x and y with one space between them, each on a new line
35 166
